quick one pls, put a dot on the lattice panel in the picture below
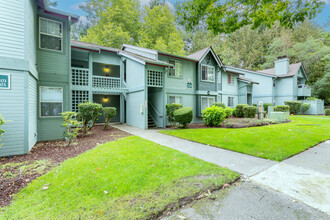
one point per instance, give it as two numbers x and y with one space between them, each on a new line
78 97
106 82
79 76
155 78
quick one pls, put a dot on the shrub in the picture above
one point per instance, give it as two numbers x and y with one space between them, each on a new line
294 106
72 126
184 116
170 109
214 115
254 105
239 110
271 121
304 107
2 122
327 112
249 111
219 104
282 108
312 98
88 113
266 106
228 111
108 113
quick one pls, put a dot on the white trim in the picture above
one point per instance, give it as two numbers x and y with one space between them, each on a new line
61 37
212 97
214 56
9 81
138 48
175 97
132 57
49 102
202 73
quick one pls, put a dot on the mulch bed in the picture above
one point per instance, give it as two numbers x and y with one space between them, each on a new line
54 151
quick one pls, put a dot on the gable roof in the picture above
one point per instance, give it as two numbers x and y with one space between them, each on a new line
143 59
293 70
92 47
199 55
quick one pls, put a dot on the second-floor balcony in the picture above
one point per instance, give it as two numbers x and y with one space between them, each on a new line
304 90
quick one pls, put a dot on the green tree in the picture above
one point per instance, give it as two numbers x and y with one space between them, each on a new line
321 88
228 16
153 3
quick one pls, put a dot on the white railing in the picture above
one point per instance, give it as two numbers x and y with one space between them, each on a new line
304 90
79 76
103 82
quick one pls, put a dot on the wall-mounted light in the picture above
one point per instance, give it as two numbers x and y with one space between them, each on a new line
106 69
105 99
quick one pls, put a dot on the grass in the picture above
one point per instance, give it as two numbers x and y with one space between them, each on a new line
274 142
14 170
130 178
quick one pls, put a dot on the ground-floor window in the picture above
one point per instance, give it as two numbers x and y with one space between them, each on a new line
51 101
230 101
207 102
175 99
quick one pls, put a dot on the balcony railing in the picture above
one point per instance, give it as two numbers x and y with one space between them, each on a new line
304 90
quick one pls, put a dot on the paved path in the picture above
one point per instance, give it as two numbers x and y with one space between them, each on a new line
305 177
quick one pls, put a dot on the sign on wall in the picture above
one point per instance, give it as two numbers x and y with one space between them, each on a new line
189 84
4 81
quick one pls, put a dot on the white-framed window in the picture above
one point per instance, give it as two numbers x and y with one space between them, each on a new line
176 71
51 101
208 73
206 101
50 34
175 99
230 101
231 80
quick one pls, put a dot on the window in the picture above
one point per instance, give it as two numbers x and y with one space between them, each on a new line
176 71
125 73
51 101
207 102
219 77
230 101
231 79
175 99
50 34
274 83
208 73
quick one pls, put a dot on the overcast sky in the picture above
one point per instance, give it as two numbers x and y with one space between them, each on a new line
72 6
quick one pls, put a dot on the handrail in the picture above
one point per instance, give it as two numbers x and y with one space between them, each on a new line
153 107
106 77
79 68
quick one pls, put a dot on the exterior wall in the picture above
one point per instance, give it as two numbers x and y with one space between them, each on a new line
203 85
242 92
32 108
284 90
31 40
136 99
229 90
12 108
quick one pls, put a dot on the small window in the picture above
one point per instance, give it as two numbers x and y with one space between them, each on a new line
125 67
175 99
231 79
274 83
208 73
50 34
230 101
176 71
51 101
207 102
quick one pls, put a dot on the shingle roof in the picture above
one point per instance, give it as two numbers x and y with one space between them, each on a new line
293 69
92 46
199 54
247 80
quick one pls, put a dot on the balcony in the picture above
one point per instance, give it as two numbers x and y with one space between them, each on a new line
304 90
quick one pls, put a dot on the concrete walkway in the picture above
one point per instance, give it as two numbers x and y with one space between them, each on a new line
305 177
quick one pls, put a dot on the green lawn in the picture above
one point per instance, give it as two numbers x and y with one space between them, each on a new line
130 178
275 142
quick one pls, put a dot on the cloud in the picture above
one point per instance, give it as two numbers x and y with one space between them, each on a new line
83 19
77 6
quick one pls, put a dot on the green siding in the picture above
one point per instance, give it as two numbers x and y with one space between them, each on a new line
32 114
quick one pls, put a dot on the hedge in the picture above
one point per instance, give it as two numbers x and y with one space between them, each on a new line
239 110
266 106
228 111
109 113
249 111
170 109
327 112
184 116
304 108
282 108
294 106
214 115
219 104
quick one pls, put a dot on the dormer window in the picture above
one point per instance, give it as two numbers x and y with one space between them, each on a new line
176 71
208 73
50 34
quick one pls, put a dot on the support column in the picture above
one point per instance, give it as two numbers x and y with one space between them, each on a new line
90 77
122 109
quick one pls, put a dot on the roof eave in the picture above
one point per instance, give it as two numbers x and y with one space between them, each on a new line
45 7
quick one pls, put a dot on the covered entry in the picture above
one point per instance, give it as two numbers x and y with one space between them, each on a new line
107 100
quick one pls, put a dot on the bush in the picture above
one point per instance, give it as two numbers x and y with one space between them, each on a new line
327 112
266 106
228 111
249 111
271 121
170 109
108 113
239 110
214 115
2 122
282 108
89 113
312 98
254 105
304 107
294 106
72 126
219 104
184 116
